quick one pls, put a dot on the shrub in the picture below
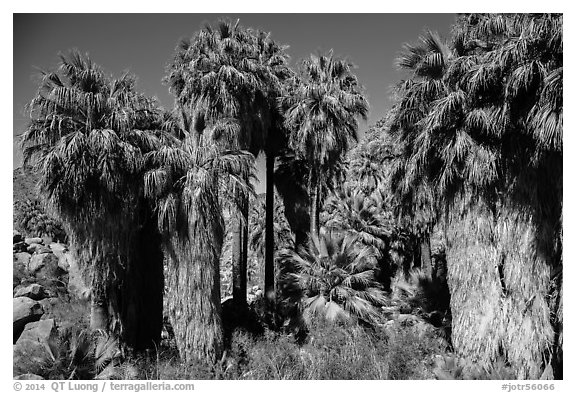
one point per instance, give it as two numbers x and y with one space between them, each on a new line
450 367
32 220
334 351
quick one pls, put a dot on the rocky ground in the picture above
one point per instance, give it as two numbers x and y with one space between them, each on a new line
45 280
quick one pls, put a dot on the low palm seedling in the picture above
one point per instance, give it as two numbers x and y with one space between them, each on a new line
333 278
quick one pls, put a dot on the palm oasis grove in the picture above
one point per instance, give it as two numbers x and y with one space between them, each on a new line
427 246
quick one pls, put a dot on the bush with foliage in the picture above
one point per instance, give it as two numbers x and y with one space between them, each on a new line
32 220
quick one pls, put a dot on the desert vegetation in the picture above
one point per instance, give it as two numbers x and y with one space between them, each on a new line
430 247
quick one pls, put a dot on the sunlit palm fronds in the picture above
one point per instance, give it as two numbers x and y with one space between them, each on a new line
335 279
87 137
321 111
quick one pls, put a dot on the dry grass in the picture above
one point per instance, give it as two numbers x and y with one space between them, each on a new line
331 351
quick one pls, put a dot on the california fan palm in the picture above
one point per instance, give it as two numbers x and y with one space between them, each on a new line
231 75
334 279
187 178
490 147
322 112
87 137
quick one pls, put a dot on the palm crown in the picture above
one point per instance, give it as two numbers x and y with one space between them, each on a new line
335 279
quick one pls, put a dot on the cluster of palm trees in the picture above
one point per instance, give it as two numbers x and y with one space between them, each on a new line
480 124
136 185
472 150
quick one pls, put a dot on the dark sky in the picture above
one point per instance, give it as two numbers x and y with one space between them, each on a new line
144 44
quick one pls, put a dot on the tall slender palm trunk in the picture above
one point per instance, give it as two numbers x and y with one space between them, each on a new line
240 258
426 255
269 273
314 207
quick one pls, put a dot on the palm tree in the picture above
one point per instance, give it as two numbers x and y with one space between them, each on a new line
258 228
187 178
369 163
427 64
233 75
490 147
334 278
87 136
322 114
365 218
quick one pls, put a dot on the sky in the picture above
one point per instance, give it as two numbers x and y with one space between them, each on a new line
145 43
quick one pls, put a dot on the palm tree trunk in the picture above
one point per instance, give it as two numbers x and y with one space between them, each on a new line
98 314
416 253
269 289
499 289
194 299
240 260
426 255
314 209
102 311
143 289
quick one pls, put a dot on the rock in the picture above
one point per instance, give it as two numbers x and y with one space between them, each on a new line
28 377
48 303
408 319
32 291
25 310
44 265
20 268
423 329
22 258
33 240
47 239
61 251
36 248
16 237
32 351
58 248
64 264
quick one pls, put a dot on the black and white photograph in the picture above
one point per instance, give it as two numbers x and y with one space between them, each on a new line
287 196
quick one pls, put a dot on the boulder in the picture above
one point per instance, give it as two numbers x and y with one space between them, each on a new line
32 291
47 239
44 266
28 377
61 251
22 259
58 248
36 248
33 240
19 275
32 352
25 310
48 303
64 264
